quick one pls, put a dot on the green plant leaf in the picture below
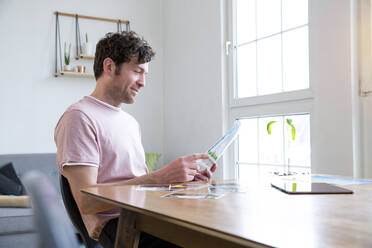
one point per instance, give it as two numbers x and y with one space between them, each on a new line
268 127
289 122
67 54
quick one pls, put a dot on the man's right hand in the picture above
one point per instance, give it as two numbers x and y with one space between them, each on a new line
182 169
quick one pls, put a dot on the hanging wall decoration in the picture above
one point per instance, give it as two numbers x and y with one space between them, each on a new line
83 50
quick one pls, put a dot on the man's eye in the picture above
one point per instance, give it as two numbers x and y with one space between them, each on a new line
137 72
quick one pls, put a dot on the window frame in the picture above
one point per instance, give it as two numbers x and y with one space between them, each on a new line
282 103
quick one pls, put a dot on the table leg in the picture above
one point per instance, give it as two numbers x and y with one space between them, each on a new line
126 234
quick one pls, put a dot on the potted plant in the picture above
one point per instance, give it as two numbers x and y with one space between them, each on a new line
293 137
87 47
67 56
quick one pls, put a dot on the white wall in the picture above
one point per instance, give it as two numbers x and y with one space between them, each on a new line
32 100
193 77
330 77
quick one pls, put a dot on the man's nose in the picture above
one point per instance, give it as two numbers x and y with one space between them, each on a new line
141 82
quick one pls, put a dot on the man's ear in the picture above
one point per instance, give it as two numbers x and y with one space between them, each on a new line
109 66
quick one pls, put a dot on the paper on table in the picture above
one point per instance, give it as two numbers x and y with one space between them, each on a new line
193 196
226 188
169 187
157 188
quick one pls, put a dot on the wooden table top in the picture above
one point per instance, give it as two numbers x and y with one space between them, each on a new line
262 214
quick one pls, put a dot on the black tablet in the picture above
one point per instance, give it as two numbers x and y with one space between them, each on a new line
291 187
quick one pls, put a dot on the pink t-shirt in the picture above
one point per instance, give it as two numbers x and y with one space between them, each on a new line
94 133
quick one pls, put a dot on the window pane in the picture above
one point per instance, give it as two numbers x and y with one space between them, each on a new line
268 17
247 70
262 153
245 20
248 148
271 146
298 150
296 59
295 13
269 76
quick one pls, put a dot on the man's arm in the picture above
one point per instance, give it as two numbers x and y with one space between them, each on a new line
79 176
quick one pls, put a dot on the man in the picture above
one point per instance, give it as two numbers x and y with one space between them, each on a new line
98 144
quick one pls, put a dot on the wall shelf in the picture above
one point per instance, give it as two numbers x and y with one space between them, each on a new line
79 55
74 74
84 56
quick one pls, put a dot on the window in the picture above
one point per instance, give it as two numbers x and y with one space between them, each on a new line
271 47
284 148
270 75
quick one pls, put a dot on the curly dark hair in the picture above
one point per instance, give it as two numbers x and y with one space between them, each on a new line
121 48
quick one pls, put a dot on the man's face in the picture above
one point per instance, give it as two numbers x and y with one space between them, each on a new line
128 80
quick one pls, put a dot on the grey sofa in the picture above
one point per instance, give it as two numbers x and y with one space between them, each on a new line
16 224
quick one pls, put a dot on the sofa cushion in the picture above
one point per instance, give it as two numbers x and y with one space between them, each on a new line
10 184
9 171
16 220
44 162
9 187
29 240
20 220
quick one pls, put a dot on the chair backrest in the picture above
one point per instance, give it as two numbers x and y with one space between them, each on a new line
73 212
51 221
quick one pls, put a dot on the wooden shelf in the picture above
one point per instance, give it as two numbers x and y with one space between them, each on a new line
84 56
80 56
92 17
74 74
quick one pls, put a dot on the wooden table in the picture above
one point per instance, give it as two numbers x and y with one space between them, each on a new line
260 217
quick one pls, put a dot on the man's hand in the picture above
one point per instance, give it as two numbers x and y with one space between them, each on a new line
183 169
205 174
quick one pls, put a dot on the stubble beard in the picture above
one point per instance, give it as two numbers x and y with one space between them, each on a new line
127 97
121 96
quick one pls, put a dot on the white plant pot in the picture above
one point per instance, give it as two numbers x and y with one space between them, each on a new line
87 48
67 68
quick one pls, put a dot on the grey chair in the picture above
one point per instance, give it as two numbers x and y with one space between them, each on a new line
51 221
73 212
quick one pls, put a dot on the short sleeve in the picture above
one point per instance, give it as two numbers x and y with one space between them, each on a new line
76 140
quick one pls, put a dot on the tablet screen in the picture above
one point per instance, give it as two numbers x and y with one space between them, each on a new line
291 187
